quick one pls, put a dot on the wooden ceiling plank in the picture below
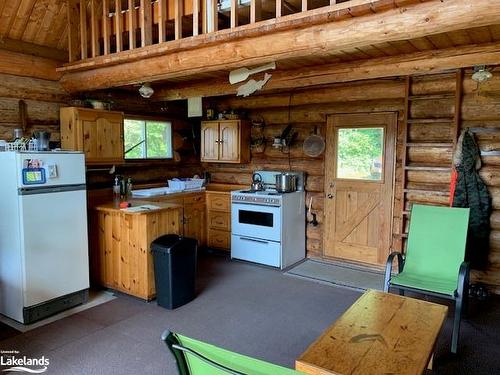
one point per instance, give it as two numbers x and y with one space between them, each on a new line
459 37
23 15
403 46
372 51
480 35
393 66
387 48
47 21
63 42
59 23
8 16
441 40
495 32
35 20
422 44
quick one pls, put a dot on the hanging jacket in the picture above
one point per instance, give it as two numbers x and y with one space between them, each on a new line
470 191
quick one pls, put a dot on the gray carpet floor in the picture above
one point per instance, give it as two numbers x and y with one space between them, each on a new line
341 275
243 307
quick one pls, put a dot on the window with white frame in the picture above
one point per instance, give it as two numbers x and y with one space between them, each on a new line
147 139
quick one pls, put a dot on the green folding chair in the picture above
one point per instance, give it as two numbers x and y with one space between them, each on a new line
195 357
433 263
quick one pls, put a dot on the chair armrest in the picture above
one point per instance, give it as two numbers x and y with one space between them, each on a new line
390 261
463 278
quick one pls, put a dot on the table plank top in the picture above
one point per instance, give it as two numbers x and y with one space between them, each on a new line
380 333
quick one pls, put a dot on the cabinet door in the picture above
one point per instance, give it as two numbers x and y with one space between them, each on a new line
195 223
229 146
209 141
102 138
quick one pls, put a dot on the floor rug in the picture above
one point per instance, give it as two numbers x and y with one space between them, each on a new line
340 275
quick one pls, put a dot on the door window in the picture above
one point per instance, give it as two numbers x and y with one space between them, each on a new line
360 153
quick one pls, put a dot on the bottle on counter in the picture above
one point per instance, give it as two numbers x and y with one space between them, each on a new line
129 187
116 190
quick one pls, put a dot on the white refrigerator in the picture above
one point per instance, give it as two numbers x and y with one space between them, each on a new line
44 266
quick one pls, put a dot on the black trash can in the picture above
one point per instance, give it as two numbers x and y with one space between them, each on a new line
175 269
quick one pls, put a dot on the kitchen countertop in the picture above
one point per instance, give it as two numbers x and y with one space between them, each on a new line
111 207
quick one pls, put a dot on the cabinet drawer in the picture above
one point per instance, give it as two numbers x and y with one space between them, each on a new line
220 202
219 239
219 220
198 198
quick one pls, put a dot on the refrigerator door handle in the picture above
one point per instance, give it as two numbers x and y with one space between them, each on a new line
50 189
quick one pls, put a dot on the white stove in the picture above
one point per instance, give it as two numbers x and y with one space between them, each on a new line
268 227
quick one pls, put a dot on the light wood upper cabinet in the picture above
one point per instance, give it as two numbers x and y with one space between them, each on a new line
98 133
225 141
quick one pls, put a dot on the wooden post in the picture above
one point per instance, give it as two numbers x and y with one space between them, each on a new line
333 2
255 10
278 8
234 13
304 5
83 29
212 16
196 16
146 23
74 47
162 16
179 11
132 24
106 27
118 25
94 27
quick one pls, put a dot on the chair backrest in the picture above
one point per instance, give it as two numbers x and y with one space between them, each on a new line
195 357
436 241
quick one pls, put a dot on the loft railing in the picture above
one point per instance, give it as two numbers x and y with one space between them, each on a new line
104 27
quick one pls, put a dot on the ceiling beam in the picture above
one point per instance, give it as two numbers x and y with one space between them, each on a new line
33 49
416 63
20 64
305 40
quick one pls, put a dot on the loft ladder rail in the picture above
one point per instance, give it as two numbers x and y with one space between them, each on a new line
455 121
403 161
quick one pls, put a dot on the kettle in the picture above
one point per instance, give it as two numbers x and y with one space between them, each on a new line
257 184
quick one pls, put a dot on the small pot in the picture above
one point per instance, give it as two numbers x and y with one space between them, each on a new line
286 182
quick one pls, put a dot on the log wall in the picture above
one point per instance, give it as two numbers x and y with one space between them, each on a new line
43 99
307 109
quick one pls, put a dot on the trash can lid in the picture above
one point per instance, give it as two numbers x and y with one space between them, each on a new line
166 241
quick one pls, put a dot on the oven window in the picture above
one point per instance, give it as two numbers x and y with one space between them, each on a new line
264 219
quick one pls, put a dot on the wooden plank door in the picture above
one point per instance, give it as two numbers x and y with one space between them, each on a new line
359 164
209 141
229 141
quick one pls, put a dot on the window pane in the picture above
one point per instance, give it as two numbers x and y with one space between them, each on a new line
135 139
158 138
360 152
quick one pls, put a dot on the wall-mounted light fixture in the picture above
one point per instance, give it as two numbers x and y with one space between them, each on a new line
146 91
481 74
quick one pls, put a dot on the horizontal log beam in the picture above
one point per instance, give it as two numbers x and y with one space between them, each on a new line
20 64
304 40
416 63
33 49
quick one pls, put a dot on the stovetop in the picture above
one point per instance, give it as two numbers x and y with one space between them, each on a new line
259 192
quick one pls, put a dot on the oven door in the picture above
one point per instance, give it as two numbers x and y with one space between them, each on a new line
255 221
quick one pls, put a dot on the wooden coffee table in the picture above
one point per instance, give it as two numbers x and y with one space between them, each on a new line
380 333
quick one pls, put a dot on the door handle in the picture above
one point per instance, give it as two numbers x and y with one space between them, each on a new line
253 240
330 196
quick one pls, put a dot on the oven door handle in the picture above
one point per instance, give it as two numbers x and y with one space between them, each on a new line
253 240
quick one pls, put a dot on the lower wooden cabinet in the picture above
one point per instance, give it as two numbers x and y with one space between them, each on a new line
219 220
194 222
122 258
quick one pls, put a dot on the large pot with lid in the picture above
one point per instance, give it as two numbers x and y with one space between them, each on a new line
286 182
